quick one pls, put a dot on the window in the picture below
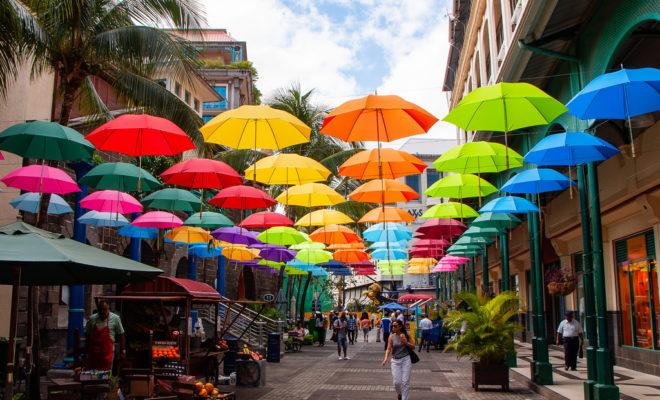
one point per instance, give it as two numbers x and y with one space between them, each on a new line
196 106
432 176
177 89
477 70
187 97
638 290
222 104
413 182
486 41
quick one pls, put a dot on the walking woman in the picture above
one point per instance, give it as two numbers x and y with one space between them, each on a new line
398 346
341 328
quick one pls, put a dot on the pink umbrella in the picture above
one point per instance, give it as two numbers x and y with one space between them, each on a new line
449 259
41 179
444 268
157 219
111 201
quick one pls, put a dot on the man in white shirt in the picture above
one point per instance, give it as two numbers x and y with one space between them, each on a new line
426 325
570 331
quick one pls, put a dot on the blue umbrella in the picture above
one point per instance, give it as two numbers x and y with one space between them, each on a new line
537 180
29 202
341 271
100 219
389 254
301 265
133 231
384 232
509 204
204 251
319 272
391 245
333 264
570 148
393 306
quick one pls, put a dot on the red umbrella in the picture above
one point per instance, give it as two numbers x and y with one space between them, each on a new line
413 297
242 197
421 252
362 264
201 173
157 219
141 135
442 227
430 243
265 219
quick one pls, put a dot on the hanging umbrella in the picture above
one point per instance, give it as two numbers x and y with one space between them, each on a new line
391 267
496 220
442 227
307 245
287 169
425 262
201 173
29 202
537 180
236 235
570 148
478 157
509 204
444 268
333 264
333 234
265 219
324 217
425 252
204 251
276 253
40 179
255 127
350 255
389 254
46 140
430 242
239 253
157 219
461 186
242 197
418 270
386 214
347 246
101 219
141 135
119 176
310 195
282 235
619 95
173 199
383 191
377 118
449 259
467 240
188 234
208 219
475 231
111 201
391 245
314 256
381 163
133 231
377 233
450 209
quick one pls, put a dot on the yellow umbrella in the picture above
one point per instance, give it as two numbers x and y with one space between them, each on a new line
324 217
287 169
188 234
240 253
418 270
255 127
422 262
310 195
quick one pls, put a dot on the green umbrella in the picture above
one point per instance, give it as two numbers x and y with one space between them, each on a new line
307 245
478 240
465 251
484 232
496 220
282 235
119 176
46 140
450 209
314 256
208 219
460 186
478 157
172 199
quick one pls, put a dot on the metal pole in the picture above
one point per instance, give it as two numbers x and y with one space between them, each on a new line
473 276
437 285
463 280
485 279
504 260
543 368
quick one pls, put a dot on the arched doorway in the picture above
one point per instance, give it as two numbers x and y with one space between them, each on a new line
246 285
182 268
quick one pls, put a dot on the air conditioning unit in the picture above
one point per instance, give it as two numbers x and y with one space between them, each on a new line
515 16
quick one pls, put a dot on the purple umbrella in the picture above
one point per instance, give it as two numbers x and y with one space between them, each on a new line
277 253
236 235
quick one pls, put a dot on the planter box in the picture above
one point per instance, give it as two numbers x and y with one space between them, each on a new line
490 374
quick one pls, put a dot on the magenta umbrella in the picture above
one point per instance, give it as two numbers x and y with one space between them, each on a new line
444 268
157 219
111 201
449 259
41 179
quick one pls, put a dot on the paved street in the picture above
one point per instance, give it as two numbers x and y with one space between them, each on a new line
315 373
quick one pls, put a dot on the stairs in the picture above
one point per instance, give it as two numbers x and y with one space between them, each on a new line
247 325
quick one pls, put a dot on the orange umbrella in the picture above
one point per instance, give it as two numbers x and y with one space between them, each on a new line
377 118
386 214
381 163
334 234
346 246
383 191
350 256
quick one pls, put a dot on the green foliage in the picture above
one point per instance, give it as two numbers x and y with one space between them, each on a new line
268 311
156 165
488 323
355 305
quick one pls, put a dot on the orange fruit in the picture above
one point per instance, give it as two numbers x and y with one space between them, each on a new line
215 392
209 387
203 393
199 385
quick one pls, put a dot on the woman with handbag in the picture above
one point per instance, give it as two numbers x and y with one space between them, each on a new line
403 354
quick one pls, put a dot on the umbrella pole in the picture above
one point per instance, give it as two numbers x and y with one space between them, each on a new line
630 132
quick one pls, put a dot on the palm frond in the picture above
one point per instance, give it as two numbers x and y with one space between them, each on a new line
183 14
91 104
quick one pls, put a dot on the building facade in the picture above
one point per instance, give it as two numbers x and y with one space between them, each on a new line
560 46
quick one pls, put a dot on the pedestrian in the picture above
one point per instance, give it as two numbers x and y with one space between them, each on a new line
352 328
399 346
319 323
426 326
365 327
373 321
378 329
570 331
385 325
102 332
341 328
401 318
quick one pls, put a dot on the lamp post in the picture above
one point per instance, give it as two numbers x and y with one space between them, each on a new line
485 279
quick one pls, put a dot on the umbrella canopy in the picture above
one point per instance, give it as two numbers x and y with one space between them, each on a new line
204 251
111 201
157 219
173 199
287 169
537 180
391 245
391 267
485 232
450 209
201 173
509 204
442 227
40 179
418 270
255 127
242 197
307 245
467 240
282 235
413 297
265 219
496 220
386 214
141 135
236 235
505 107
324 217
133 231
426 252
276 253
314 256
377 118
208 219
478 157
389 254
441 267
332 264
29 202
188 234
333 234
460 186
46 140
239 253
375 232
101 219
350 255
383 191
119 176
310 195
47 258
381 163
449 259
393 306
570 148
425 262
430 242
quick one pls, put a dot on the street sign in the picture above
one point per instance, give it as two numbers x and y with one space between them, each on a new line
268 297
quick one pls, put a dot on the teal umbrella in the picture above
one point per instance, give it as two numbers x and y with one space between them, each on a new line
120 176
46 140
208 219
483 232
496 220
172 199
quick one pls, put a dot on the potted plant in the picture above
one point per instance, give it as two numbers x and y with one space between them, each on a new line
560 282
486 334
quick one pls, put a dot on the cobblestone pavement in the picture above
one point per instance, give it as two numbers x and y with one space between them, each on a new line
316 373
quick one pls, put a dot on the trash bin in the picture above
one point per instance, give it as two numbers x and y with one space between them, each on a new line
229 362
273 348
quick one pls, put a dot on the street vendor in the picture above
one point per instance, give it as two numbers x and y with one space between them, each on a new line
102 332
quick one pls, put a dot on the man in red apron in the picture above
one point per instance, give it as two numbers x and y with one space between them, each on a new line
102 332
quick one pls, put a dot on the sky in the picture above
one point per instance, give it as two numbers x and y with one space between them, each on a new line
345 48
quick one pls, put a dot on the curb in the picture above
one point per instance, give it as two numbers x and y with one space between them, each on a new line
540 389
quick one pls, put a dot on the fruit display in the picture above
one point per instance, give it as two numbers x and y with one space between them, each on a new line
222 345
166 351
247 354
207 391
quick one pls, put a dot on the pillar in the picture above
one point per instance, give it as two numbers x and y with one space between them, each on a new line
542 367
485 279
504 260
136 245
220 276
473 276
463 279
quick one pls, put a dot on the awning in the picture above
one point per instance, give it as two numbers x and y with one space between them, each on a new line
412 298
170 286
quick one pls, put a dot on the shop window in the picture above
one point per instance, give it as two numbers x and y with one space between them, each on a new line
638 290
414 183
432 176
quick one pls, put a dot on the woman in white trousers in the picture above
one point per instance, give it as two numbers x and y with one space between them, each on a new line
398 346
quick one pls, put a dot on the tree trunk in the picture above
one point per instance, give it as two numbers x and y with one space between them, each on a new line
304 295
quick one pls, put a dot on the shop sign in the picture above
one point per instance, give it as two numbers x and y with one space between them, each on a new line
268 297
